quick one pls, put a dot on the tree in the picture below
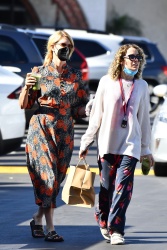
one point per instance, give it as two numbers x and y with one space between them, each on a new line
123 25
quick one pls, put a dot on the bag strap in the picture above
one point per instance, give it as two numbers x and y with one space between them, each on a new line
84 161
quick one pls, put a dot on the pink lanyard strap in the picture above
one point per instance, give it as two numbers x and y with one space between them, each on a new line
124 104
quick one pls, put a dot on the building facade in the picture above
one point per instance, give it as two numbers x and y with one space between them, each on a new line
150 13
88 14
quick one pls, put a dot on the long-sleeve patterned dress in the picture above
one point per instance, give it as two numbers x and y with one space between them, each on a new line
50 136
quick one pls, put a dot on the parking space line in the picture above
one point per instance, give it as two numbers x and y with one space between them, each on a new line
23 170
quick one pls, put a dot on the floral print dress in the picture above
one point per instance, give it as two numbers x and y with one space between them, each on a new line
50 138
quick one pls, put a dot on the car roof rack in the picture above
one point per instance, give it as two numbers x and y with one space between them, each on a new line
34 27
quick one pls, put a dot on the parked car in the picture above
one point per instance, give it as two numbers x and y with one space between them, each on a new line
17 49
159 133
99 49
12 117
21 50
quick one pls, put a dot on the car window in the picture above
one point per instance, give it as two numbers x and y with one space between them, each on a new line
89 48
41 44
10 51
143 45
76 58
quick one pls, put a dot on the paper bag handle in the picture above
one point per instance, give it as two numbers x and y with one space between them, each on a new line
85 163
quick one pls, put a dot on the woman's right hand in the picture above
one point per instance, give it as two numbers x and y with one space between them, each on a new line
23 98
29 80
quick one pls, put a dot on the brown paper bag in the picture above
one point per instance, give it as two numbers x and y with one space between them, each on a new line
78 189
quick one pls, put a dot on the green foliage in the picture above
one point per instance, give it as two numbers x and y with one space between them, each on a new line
123 25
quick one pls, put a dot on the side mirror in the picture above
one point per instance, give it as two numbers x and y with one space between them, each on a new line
160 90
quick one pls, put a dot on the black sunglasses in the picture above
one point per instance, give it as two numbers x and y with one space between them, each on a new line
133 57
65 45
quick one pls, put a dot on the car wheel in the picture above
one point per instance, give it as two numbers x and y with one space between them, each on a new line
160 169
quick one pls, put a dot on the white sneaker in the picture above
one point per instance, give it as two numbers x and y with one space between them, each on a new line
105 233
117 239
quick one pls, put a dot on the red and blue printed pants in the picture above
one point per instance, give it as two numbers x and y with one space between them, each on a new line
116 186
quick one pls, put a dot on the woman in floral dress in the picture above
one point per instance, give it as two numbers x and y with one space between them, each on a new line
61 98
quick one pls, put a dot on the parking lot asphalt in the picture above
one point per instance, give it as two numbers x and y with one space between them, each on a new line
75 224
17 207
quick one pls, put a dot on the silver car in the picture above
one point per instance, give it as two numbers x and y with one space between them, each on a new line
12 117
159 134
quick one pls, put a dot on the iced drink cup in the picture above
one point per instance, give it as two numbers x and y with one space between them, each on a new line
37 84
145 167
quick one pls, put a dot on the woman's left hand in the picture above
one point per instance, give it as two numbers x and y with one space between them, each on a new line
82 154
89 107
149 157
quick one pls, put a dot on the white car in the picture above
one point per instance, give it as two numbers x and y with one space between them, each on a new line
98 48
159 134
12 117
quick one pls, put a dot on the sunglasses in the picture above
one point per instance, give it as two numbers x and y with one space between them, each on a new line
65 45
133 57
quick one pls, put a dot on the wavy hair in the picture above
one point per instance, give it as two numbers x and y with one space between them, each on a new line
54 38
115 68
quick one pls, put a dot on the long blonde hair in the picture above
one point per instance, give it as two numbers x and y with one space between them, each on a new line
115 68
54 38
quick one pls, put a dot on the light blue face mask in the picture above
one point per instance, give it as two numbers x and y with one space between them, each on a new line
130 72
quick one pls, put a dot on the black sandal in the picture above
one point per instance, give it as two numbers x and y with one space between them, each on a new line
54 237
37 230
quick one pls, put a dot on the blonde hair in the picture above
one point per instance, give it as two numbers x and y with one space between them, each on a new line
115 68
54 38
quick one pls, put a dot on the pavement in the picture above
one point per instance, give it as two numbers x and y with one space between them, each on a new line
76 224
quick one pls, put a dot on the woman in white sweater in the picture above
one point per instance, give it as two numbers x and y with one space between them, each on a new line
120 120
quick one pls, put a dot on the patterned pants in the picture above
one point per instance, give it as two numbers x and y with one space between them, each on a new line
116 186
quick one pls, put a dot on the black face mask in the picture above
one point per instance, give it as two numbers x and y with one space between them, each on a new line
63 54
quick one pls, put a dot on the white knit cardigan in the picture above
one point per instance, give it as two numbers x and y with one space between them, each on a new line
107 114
